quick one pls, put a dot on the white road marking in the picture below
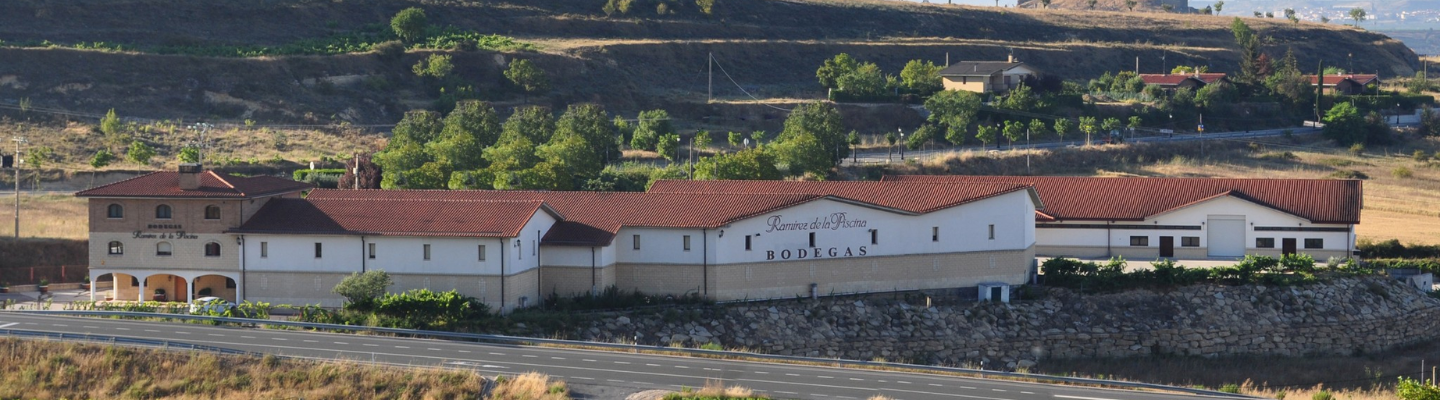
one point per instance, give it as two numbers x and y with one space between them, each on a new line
824 377
762 372
682 367
149 330
1028 392
216 334
497 354
587 360
179 332
783 392
902 382
60 325
86 327
432 349
818 395
372 345
529 356
276 338
341 343
402 347
936 384
1080 398
247 337
967 387
9 325
557 358
792 374
652 365
126 329
311 341
581 377
614 380
464 351
714 369
622 362
856 379
998 390
642 383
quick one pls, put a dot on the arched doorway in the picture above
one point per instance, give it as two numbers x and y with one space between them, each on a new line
215 286
164 287
122 287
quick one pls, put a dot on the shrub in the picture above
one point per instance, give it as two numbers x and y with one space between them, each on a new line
389 50
1348 174
1410 389
1357 149
1322 395
426 309
1394 249
1420 156
1402 172
361 289
1230 388
303 174
409 24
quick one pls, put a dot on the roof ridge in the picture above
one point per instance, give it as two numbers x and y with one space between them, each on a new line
121 181
435 200
222 180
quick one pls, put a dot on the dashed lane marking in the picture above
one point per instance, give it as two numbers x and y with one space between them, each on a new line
281 339
433 349
824 377
371 345
216 334
581 377
402 347
652 365
497 354
557 358
247 337
1080 397
622 362
529 356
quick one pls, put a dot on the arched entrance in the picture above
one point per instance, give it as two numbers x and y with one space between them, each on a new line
164 287
122 287
215 286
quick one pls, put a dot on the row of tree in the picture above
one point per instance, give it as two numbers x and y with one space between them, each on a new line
865 80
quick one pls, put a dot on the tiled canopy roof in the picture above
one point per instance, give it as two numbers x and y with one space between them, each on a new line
589 218
916 198
212 185
1328 201
393 217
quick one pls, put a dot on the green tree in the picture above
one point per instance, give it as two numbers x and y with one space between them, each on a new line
1344 125
1219 5
853 140
1358 14
528 77
189 155
987 134
1249 45
1088 126
110 125
613 7
1429 121
748 164
891 138
922 135
822 121
953 109
706 6
1290 15
573 157
701 140
651 125
1419 84
668 145
140 153
866 81
1038 127
1130 4
1020 99
437 66
102 159
921 77
466 132
409 24
1410 389
1134 123
1013 130
1111 125
1062 127
804 154
757 137
510 155
829 74
431 175
1215 95
736 139
534 123
590 123
361 289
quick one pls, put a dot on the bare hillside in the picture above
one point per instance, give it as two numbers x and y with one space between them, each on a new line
637 60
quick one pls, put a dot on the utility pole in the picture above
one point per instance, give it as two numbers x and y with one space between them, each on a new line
1319 88
356 170
18 141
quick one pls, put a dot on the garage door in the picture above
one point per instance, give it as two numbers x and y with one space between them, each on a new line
1226 235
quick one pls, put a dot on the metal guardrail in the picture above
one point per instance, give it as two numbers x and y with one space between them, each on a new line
164 344
627 347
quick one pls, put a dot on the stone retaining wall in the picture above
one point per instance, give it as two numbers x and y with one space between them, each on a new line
1341 317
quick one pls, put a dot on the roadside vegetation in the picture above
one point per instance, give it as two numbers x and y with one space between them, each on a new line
1112 276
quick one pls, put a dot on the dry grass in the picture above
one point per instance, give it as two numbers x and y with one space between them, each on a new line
52 370
716 390
45 216
1310 392
530 386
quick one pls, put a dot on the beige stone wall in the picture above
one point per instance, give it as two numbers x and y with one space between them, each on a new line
189 214
299 288
570 281
848 275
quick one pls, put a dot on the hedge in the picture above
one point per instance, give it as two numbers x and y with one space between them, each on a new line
301 174
1394 249
1288 270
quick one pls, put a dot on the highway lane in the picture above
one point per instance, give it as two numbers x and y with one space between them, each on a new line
584 367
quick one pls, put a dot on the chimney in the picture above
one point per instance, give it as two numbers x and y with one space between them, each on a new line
1010 58
190 176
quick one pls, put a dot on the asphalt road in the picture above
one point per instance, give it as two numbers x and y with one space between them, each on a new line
582 367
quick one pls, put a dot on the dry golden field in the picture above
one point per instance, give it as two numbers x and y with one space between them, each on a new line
44 216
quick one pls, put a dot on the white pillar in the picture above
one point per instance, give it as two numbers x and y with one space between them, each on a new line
92 285
141 291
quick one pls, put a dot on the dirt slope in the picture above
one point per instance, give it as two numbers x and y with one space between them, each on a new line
640 60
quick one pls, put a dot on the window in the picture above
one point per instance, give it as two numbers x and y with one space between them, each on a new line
1189 241
427 252
747 242
482 252
317 250
264 249
635 239
686 240
212 212
992 231
116 248
212 249
1313 243
370 250
1264 243
874 236
115 211
1139 240
162 212
163 249
934 233
812 239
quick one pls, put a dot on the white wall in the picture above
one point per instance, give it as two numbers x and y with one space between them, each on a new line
458 256
296 253
662 246
1197 215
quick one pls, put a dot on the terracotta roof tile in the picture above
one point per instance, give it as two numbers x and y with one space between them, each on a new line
1328 201
904 196
393 217
212 185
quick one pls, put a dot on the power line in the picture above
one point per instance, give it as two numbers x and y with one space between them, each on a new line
742 89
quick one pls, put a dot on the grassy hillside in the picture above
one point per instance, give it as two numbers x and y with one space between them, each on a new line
626 62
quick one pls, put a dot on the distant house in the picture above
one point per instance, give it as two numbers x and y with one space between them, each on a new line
1178 81
1350 84
986 76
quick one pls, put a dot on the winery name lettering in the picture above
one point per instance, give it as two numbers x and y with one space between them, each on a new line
164 226
168 235
812 253
831 222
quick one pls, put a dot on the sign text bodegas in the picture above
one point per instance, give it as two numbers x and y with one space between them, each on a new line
832 222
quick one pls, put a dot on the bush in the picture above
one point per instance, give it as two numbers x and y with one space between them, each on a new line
1322 395
1394 249
409 24
389 50
303 174
1420 156
426 309
360 290
1357 149
1402 173
1410 389
1348 174
1230 388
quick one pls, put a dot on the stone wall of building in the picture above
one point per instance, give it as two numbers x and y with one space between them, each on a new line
1340 317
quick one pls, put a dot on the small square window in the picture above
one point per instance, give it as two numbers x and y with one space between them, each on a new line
212 212
686 239
1139 241
1314 243
934 233
1264 243
1189 241
482 252
636 240
427 252
318 252
747 242
812 239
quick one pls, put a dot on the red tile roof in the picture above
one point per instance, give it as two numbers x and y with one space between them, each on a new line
393 217
1322 201
902 196
1332 80
589 218
1175 79
212 185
